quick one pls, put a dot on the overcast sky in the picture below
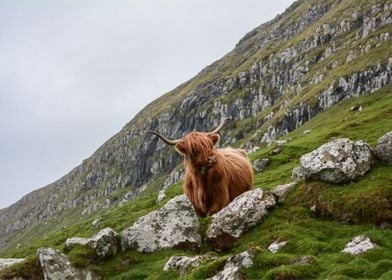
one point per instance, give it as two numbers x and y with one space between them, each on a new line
73 73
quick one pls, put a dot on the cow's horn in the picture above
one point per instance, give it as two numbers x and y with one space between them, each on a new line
166 140
221 125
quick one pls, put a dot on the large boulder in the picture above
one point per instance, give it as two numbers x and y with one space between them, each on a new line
383 149
57 266
183 264
174 225
358 245
8 262
340 160
233 266
242 213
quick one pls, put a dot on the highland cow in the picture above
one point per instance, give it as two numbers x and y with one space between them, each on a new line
213 177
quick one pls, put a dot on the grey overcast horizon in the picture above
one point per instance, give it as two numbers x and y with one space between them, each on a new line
73 73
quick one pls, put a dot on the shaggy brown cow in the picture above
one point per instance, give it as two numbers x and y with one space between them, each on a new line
213 177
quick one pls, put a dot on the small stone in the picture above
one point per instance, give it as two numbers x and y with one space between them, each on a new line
260 164
306 132
281 191
71 242
96 222
161 196
275 246
358 245
8 262
182 264
276 151
233 266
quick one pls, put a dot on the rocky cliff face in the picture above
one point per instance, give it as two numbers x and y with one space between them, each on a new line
278 76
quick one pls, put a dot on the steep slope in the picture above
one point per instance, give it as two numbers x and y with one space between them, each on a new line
320 236
279 76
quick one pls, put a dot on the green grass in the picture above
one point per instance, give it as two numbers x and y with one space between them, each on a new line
320 236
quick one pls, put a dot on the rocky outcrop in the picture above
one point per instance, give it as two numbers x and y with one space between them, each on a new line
233 266
383 149
104 242
56 265
174 225
244 212
358 245
182 264
340 160
8 262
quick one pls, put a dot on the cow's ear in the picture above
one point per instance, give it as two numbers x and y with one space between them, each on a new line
180 147
215 137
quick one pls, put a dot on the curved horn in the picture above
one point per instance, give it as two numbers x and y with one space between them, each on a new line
166 140
221 125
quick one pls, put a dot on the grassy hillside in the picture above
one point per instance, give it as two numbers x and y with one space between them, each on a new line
320 236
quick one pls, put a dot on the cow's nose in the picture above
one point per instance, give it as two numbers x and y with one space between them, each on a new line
211 159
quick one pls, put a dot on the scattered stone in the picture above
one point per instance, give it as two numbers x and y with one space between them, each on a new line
18 246
358 245
313 208
340 160
276 151
304 260
161 196
241 214
96 222
8 262
306 132
383 149
56 265
71 242
260 164
281 191
356 108
276 246
233 266
182 264
105 243
280 142
174 225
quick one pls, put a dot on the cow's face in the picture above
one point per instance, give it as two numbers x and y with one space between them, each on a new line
199 149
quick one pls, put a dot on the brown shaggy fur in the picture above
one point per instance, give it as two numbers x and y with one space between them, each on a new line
213 177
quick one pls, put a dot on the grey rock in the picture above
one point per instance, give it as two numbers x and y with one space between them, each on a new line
383 149
8 262
306 131
105 243
96 222
281 191
340 160
260 164
71 242
57 266
240 215
183 264
358 245
233 266
297 174
161 196
174 225
275 246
